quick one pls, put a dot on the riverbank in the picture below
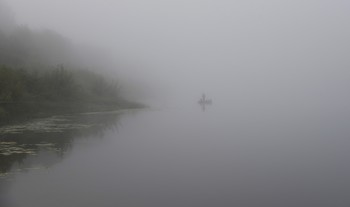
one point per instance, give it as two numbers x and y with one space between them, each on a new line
26 93
19 112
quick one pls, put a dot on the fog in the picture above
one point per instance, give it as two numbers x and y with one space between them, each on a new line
252 50
277 72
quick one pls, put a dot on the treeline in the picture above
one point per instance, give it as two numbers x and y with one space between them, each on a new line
55 90
40 74
56 84
21 45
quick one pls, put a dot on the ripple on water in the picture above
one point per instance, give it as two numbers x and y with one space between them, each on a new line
52 124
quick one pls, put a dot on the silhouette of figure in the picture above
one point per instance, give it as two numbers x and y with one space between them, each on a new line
203 102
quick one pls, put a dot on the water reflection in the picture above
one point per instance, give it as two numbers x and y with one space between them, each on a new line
43 142
178 157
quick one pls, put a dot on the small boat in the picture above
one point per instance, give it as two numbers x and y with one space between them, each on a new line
203 100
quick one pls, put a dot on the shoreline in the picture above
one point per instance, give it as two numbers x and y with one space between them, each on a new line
52 123
24 112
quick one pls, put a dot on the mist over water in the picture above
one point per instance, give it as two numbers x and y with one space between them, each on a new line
192 158
276 133
235 49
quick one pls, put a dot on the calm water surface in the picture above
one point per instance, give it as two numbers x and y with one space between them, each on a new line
178 157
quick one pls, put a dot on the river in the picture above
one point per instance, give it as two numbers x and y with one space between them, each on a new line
177 156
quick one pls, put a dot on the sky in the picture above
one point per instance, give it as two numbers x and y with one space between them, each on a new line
233 50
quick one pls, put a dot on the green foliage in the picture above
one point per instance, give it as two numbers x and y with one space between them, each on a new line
58 84
96 87
3 113
55 90
28 85
61 84
11 85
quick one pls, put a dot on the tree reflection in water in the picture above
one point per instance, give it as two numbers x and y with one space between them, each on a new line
44 142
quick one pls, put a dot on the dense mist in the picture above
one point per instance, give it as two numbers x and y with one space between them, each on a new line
274 51
271 79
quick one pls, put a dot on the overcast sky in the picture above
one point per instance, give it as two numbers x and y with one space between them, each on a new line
229 48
